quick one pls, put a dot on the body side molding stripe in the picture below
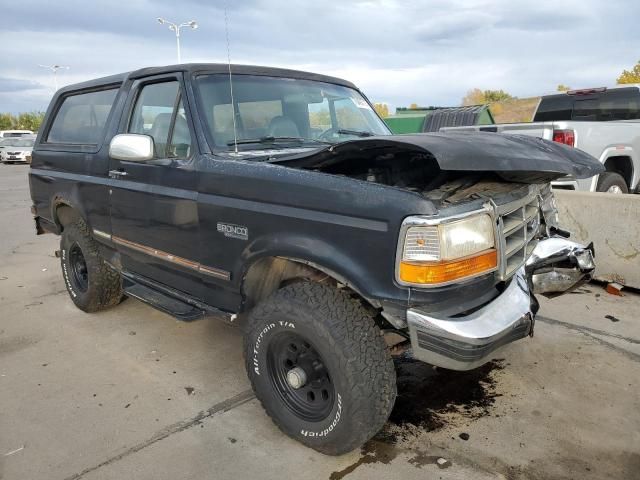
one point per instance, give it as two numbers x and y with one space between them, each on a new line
168 257
101 234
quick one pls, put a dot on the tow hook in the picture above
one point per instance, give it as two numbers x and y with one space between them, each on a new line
558 265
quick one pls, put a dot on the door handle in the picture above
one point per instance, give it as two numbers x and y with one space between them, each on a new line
117 173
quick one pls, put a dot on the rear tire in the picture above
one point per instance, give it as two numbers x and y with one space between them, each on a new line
91 283
612 182
345 376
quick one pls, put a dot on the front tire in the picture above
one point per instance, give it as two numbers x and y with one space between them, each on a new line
91 283
320 367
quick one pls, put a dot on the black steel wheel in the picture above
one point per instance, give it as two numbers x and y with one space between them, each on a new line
300 376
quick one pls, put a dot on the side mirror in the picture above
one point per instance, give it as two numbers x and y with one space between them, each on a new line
131 147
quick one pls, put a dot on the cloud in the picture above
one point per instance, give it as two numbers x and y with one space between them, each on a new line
17 85
429 52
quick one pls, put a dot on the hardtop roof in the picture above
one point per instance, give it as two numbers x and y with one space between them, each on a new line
214 68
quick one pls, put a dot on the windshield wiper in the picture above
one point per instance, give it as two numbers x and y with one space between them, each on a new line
272 139
357 133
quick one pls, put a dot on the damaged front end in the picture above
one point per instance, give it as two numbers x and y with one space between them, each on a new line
494 221
534 257
464 342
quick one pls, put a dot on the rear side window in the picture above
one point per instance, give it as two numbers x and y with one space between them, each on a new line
81 118
616 104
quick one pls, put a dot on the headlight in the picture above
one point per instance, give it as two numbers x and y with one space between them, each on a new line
448 251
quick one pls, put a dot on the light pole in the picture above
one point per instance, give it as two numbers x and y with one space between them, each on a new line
54 69
176 28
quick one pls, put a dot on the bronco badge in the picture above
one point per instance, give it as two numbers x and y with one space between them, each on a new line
234 231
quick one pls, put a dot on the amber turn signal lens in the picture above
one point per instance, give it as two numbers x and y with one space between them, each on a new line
442 272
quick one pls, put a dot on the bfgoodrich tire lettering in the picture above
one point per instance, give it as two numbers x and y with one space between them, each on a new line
346 342
91 283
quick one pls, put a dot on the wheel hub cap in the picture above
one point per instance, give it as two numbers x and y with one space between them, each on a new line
300 377
296 378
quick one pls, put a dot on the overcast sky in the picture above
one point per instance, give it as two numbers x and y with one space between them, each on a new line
429 52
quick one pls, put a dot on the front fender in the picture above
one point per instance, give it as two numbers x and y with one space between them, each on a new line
327 257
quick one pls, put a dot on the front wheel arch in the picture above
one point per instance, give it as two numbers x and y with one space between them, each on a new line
268 274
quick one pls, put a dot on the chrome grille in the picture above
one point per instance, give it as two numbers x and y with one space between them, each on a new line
518 230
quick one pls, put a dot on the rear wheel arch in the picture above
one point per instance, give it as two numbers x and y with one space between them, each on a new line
622 165
65 214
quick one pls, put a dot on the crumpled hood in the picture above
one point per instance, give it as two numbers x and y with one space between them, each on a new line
472 151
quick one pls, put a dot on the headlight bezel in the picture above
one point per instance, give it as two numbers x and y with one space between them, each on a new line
431 221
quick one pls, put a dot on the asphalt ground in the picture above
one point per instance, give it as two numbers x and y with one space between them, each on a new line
131 393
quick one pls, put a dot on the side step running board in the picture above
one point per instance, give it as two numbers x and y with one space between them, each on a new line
176 308
186 311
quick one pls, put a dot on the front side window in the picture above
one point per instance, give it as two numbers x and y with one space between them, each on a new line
81 118
268 109
159 112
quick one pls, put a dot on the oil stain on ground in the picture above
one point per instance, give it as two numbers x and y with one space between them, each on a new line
429 399
427 394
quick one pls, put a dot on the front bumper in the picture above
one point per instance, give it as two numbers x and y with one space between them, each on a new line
468 341
13 159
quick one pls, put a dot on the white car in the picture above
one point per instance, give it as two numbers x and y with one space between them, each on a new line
5 142
16 150
15 133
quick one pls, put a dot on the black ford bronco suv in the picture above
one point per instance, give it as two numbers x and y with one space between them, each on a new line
278 200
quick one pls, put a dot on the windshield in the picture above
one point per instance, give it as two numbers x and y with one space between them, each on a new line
289 112
17 142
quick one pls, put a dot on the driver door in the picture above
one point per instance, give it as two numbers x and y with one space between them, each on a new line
154 214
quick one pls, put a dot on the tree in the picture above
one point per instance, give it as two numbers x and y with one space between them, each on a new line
30 121
630 76
382 109
6 121
23 121
478 97
474 97
496 96
563 88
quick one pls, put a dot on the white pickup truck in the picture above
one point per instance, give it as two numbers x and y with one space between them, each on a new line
604 122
